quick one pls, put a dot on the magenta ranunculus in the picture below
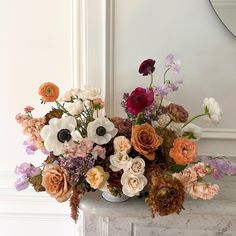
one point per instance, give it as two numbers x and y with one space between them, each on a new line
147 67
139 99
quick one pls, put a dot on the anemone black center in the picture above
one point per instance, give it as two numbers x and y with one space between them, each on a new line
100 131
64 135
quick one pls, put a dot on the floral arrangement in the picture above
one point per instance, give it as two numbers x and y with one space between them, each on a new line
151 154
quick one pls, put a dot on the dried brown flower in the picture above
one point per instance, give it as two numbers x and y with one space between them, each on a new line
123 125
166 195
56 113
177 113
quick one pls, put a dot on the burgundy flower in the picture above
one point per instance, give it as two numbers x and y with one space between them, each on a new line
139 99
147 67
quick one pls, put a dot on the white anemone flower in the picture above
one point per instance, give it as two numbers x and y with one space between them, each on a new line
57 133
101 130
212 108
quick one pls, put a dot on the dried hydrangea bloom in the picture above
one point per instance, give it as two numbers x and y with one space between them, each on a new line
166 195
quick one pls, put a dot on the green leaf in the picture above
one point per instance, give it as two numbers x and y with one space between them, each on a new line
177 168
36 181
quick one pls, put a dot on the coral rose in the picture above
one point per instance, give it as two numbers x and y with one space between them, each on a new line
184 151
49 92
55 181
145 140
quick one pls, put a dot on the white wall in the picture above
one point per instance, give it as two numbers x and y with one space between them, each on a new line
138 29
35 46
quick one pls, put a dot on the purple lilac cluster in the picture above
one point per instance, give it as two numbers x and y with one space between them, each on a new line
25 170
76 167
220 166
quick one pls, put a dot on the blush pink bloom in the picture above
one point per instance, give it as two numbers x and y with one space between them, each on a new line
79 150
139 99
32 128
28 109
201 169
202 190
99 151
186 177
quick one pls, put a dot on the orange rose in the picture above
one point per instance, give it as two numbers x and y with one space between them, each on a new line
49 92
55 181
145 140
184 151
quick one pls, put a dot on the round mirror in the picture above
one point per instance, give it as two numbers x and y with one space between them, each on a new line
226 10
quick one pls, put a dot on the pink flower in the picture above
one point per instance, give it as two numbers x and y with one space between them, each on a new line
201 169
80 150
28 109
139 99
186 177
99 151
202 190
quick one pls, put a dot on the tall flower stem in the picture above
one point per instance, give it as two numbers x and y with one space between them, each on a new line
165 74
195 117
150 86
166 125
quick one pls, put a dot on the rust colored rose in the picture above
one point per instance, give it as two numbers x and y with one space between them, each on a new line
177 113
55 181
49 92
184 151
145 140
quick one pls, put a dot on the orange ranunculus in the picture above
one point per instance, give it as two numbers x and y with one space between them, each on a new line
49 92
184 151
145 140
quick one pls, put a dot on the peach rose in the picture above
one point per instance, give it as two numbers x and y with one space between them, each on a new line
184 151
122 144
145 140
49 92
55 181
97 177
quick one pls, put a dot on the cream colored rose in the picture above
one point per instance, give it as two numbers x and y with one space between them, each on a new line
90 93
136 166
69 94
122 144
119 161
132 184
55 181
74 108
97 177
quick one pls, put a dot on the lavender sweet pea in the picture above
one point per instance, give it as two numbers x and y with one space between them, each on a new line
173 64
166 88
220 166
25 170
30 147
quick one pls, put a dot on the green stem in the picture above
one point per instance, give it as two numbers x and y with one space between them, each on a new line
62 108
195 117
167 125
150 86
165 75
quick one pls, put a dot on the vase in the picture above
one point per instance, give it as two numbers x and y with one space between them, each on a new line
111 198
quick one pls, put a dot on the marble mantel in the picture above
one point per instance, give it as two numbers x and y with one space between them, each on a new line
202 218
